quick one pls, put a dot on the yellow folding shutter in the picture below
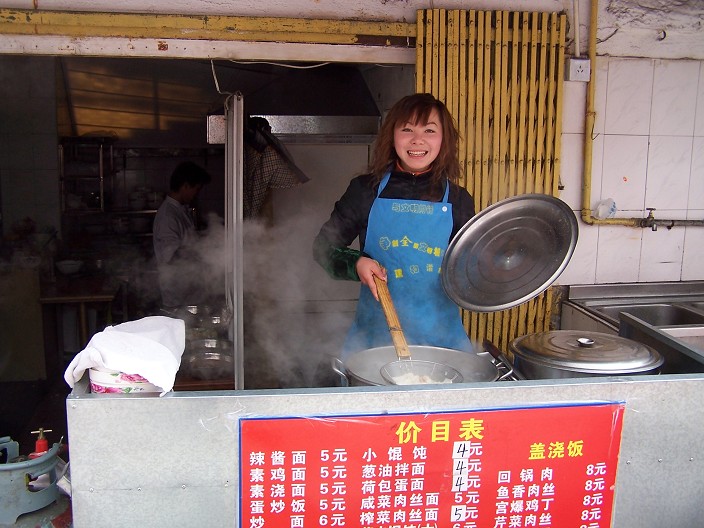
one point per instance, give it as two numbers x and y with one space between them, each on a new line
500 74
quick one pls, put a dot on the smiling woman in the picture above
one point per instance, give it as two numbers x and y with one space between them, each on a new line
405 212
418 144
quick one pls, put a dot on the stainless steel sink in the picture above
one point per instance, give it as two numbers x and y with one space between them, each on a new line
681 346
667 316
691 335
659 314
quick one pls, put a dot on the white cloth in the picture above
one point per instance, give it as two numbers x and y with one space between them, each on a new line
151 347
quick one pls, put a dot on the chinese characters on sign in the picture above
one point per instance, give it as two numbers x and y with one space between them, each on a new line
549 467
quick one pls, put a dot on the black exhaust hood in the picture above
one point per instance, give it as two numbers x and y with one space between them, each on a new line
157 102
330 100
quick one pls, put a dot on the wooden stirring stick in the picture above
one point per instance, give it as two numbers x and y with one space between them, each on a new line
387 305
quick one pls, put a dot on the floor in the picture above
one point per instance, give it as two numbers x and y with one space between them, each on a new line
55 515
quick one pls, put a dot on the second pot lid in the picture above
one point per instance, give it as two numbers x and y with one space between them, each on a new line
509 252
582 351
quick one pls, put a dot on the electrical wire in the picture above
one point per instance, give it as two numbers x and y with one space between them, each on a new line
282 64
215 79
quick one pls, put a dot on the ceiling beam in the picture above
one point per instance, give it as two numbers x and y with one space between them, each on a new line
224 28
212 37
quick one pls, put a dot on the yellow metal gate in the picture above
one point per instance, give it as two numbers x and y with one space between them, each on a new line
500 74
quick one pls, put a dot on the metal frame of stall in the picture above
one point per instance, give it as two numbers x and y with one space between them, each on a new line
173 461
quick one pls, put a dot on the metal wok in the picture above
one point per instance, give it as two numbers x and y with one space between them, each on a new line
364 367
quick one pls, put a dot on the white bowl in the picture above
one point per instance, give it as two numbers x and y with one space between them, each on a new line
67 267
103 388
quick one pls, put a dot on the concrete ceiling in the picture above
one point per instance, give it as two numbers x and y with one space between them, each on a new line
651 28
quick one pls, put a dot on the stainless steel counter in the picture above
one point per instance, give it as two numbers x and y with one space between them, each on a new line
637 291
175 461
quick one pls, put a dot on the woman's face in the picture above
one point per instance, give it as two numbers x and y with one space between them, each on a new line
418 145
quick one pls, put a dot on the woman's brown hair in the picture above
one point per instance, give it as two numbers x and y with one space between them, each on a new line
416 109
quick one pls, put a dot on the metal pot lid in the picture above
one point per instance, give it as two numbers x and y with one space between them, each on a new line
509 252
366 365
587 352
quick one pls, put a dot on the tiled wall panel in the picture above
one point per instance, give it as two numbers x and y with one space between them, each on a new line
648 152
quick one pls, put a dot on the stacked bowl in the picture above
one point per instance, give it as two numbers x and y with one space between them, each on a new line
116 382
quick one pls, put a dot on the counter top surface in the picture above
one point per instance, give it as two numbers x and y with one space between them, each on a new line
640 290
185 383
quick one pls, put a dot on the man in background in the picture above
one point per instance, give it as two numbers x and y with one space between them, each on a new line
174 238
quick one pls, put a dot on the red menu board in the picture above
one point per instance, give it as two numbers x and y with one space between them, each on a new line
550 466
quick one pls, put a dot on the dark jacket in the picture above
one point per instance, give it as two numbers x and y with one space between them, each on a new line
351 213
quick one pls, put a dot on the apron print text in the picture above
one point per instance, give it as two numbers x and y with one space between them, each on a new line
388 244
415 208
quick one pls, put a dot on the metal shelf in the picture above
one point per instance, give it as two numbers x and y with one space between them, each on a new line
94 153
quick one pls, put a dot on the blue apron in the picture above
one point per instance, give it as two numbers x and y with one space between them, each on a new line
408 238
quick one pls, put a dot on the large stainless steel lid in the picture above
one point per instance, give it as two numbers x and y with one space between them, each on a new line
586 352
509 252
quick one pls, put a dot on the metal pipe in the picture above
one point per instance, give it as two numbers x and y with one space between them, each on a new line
586 213
588 133
575 18
651 222
676 223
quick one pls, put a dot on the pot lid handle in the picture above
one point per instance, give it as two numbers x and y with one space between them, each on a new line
585 342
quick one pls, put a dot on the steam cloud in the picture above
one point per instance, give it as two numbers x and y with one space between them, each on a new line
289 335
289 324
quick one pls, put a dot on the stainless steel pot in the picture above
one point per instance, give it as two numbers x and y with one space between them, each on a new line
203 321
209 359
364 367
577 354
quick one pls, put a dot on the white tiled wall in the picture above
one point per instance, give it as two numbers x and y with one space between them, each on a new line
648 152
629 95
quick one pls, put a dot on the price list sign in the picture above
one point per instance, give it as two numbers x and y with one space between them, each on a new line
551 466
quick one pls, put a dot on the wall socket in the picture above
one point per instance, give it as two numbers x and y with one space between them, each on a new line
578 69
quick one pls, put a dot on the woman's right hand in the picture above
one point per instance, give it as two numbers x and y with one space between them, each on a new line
367 268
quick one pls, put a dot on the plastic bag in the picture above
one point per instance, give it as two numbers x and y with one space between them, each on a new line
604 209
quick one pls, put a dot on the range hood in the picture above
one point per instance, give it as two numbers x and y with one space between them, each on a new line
165 102
330 127
332 100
